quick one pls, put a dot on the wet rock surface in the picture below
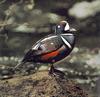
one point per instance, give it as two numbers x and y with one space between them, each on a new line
40 85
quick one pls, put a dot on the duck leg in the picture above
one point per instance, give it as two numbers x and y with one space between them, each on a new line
51 71
56 72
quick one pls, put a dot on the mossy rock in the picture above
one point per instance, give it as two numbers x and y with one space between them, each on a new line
40 85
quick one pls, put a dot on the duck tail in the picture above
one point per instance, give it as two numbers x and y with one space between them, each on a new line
19 64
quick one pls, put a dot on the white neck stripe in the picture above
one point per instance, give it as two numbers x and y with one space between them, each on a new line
66 42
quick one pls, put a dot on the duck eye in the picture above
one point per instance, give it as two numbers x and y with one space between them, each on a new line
58 26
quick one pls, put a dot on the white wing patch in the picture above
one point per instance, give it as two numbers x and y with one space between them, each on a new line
48 38
39 42
66 42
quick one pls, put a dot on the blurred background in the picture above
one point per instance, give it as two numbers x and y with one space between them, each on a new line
23 22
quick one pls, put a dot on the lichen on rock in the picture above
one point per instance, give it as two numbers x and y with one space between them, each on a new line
40 84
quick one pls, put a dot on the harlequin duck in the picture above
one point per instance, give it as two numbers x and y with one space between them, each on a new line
53 47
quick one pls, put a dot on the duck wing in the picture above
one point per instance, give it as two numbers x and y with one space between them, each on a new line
43 46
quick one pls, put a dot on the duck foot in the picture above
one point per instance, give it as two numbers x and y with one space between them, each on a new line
56 72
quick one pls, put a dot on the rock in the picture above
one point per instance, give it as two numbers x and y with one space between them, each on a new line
6 73
40 85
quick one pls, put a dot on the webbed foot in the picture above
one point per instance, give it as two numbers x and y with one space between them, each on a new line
56 72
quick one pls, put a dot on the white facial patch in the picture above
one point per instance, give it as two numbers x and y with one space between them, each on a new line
67 27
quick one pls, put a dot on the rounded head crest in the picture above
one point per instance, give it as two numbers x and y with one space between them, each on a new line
62 27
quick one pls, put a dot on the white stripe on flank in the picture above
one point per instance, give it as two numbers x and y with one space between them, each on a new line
36 46
66 42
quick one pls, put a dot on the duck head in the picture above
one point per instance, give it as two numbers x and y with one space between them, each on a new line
63 27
